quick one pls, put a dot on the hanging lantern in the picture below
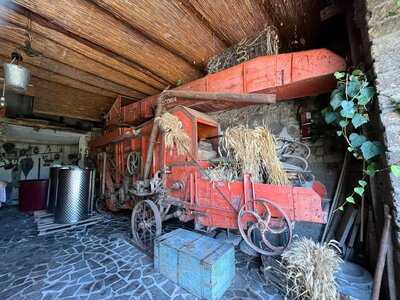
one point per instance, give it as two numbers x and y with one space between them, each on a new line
16 77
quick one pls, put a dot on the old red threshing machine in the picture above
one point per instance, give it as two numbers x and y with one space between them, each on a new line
139 172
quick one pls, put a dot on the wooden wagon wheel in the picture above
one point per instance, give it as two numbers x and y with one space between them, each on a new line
259 228
146 224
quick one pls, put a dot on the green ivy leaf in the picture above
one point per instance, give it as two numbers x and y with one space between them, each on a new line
371 149
357 140
366 94
340 208
358 120
371 169
336 100
350 199
357 72
359 191
348 110
339 75
362 183
330 117
353 87
339 133
395 169
343 123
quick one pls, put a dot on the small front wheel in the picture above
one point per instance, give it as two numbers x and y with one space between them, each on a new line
146 224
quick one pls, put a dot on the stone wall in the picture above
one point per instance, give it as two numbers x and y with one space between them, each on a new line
383 20
282 121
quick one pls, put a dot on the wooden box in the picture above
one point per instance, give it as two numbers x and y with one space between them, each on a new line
202 265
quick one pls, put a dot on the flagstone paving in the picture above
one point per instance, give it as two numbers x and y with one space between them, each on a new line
95 263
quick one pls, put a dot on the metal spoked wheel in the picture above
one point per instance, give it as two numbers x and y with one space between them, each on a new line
265 227
146 224
132 163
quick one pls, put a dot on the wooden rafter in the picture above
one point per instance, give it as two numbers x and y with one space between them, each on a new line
51 76
169 23
92 23
65 70
18 17
52 98
65 55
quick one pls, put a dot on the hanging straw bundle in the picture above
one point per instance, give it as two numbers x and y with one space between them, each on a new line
174 135
254 152
310 268
265 42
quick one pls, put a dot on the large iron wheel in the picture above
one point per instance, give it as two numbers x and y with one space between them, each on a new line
265 234
146 224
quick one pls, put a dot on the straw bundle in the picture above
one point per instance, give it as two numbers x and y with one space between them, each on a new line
254 152
266 42
174 135
310 269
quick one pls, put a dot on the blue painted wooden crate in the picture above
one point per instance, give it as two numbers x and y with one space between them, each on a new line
202 265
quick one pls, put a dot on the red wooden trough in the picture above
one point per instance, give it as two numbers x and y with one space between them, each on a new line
290 76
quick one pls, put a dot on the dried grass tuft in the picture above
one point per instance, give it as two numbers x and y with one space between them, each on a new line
254 152
174 135
310 269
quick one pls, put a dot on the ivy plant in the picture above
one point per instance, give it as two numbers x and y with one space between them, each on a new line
348 112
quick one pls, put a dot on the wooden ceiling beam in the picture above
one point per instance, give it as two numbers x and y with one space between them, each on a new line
170 24
59 100
92 23
51 76
64 55
18 16
65 70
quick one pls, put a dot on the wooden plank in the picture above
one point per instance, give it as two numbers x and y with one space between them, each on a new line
65 55
171 24
50 76
59 100
47 30
92 23
65 228
46 225
38 124
55 99
65 70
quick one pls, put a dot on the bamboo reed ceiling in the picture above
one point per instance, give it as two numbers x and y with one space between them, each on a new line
137 48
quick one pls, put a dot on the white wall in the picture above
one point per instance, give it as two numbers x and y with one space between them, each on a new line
46 140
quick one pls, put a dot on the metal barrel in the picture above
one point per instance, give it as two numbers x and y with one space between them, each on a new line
53 187
73 195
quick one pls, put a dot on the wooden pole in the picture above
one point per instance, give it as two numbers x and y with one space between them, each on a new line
193 95
229 97
103 174
380 265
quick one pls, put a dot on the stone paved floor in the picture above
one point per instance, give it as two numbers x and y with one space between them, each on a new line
97 263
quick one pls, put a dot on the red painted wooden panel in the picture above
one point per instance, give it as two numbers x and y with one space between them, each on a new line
290 75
